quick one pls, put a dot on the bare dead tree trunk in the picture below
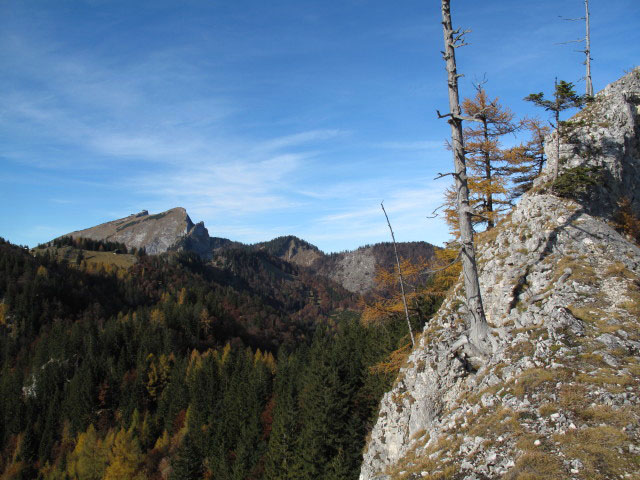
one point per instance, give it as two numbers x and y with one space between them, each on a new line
487 173
556 167
478 327
587 50
400 277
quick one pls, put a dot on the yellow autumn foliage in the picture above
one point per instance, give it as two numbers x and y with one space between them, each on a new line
158 373
42 272
265 358
157 316
125 458
88 460
3 313
386 300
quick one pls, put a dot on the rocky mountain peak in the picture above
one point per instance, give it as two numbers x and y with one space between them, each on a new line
157 233
557 398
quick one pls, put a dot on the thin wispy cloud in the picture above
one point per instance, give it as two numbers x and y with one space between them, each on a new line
302 138
261 120
415 145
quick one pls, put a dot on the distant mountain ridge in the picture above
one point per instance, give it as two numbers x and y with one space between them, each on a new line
353 269
174 230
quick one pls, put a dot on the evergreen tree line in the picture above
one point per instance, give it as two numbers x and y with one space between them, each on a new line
173 370
91 244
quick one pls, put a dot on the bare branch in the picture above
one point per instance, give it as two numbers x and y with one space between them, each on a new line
455 260
477 84
459 35
571 19
458 117
579 40
434 213
440 175
468 119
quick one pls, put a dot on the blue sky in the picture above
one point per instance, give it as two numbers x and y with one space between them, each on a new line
263 118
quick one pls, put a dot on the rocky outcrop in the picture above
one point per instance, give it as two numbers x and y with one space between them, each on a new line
196 240
356 269
170 230
292 249
558 397
605 135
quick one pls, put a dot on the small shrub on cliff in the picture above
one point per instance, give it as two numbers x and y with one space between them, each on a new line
626 221
575 183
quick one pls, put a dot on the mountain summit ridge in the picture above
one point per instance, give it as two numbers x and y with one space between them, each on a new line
173 230
156 233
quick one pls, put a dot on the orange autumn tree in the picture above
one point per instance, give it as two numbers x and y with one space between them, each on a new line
386 301
527 159
488 163
426 280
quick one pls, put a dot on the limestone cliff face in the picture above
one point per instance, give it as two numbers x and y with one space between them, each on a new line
558 398
158 233
355 270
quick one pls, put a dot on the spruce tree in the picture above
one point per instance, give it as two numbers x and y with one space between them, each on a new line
284 431
564 98
187 462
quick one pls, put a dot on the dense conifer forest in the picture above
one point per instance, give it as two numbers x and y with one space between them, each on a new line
173 368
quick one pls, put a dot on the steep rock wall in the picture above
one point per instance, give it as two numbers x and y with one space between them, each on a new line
559 395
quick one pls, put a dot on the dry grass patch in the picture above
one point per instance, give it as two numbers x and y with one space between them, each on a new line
521 349
547 409
573 397
494 424
533 465
609 378
596 318
412 463
598 448
109 258
605 414
593 359
618 269
588 314
581 271
634 369
532 379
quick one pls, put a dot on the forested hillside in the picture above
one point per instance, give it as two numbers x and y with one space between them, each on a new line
172 368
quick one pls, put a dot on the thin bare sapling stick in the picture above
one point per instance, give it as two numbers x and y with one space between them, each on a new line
400 277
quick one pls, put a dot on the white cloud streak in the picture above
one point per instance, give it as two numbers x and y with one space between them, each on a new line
180 152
